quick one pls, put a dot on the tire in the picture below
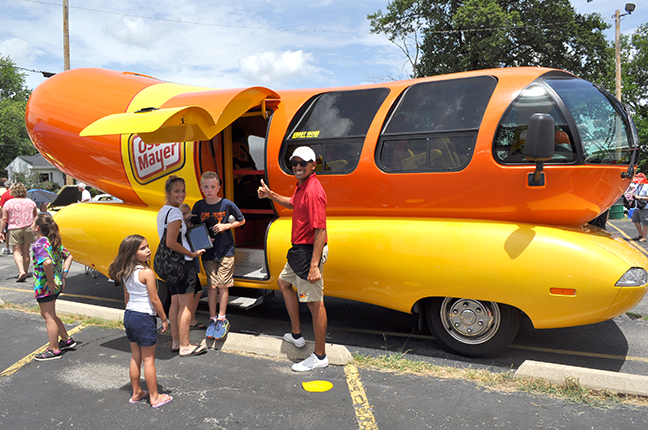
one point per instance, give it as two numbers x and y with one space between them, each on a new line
472 328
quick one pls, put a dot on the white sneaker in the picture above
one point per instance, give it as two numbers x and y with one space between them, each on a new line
312 362
299 343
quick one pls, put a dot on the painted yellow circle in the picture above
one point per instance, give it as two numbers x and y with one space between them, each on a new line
317 386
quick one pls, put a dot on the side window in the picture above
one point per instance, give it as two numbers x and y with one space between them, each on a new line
334 125
434 126
508 146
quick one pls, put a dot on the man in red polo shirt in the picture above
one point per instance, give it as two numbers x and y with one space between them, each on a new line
307 256
3 199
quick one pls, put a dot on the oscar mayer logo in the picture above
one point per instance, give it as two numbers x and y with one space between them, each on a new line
151 162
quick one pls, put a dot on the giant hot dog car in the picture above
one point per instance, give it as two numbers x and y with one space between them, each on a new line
464 197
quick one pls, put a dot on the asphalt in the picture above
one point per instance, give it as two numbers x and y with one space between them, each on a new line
245 382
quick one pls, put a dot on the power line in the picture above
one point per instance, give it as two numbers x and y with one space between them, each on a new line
180 21
42 72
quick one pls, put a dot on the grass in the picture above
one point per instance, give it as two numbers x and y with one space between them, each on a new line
570 391
636 316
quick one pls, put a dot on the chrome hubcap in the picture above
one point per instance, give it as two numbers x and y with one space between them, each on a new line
470 321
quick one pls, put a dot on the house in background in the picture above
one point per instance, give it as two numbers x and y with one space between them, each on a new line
45 171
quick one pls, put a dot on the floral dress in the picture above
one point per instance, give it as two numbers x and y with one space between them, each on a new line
41 252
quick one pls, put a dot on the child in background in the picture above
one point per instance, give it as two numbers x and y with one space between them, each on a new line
220 215
195 324
186 214
131 267
51 265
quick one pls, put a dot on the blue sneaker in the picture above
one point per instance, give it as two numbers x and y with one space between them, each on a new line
211 330
222 328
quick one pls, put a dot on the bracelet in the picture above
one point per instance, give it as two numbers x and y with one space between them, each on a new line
66 271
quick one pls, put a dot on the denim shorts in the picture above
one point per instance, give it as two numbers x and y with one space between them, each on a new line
140 328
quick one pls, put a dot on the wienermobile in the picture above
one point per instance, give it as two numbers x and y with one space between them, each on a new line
464 198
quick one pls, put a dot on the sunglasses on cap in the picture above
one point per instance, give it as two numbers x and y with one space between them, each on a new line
301 163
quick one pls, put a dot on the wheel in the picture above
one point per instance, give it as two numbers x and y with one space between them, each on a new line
472 328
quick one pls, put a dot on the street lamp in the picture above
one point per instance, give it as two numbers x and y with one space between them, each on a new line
629 7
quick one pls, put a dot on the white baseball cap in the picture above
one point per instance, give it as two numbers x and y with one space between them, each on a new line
305 153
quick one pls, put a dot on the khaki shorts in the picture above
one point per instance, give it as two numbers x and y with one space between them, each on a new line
306 291
18 236
220 273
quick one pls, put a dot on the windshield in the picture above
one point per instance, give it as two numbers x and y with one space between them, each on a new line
602 126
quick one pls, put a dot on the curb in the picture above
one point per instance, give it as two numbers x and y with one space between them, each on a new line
264 345
624 383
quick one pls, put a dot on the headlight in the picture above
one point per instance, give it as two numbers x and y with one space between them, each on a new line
634 277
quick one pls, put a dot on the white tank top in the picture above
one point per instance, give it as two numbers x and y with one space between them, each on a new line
138 298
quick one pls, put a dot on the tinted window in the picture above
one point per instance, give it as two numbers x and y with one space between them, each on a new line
512 131
601 127
434 126
457 104
334 125
432 154
339 114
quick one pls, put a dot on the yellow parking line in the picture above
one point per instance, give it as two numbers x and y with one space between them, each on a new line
17 365
629 239
361 405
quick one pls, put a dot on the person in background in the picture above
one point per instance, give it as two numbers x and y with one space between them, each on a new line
640 214
18 215
5 196
85 194
51 265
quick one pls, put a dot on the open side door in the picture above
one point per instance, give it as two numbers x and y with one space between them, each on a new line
186 117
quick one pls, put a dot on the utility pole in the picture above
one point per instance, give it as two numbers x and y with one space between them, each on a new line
617 51
69 180
66 35
629 7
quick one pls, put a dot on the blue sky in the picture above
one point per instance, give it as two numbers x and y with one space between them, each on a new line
223 44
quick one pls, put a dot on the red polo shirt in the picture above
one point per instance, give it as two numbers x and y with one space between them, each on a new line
309 210
5 196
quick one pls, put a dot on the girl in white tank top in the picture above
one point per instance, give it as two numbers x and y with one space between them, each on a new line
131 267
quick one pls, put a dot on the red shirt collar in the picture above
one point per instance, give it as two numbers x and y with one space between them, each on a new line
306 181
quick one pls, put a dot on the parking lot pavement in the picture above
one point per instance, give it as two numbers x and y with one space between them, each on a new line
89 387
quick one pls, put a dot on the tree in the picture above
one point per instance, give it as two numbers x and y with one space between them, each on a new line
445 36
634 84
14 140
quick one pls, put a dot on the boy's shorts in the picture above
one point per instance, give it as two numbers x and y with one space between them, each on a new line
140 328
220 273
18 236
306 291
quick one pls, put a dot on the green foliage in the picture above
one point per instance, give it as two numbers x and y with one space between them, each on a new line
14 140
31 181
445 36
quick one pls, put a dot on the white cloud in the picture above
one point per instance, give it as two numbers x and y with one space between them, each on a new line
273 67
19 51
132 31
